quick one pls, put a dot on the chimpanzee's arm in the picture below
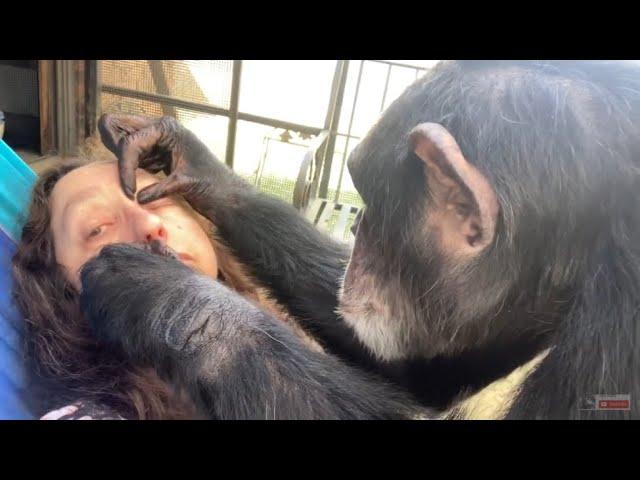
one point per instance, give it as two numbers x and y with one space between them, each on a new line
302 266
235 360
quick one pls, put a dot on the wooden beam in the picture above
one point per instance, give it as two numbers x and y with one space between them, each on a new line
46 95
162 85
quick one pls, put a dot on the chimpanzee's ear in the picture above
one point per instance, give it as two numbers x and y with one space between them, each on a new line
465 208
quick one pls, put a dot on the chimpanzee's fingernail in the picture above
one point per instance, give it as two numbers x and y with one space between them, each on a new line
147 196
142 196
129 192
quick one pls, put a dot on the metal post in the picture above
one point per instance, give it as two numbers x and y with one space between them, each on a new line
386 87
331 122
233 112
346 144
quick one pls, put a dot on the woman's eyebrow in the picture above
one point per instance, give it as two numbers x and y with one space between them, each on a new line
76 201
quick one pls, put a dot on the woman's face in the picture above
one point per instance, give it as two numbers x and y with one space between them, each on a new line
89 210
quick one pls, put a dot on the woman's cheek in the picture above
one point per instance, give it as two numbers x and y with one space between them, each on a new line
187 235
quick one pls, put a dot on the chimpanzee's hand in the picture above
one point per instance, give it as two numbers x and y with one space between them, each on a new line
123 290
235 360
162 144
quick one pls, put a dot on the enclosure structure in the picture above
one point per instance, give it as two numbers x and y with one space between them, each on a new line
286 126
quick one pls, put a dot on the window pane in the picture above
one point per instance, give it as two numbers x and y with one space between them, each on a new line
211 129
371 92
266 160
369 99
201 81
296 91
348 192
399 80
417 63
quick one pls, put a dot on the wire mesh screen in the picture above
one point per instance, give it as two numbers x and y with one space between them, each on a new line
201 81
345 233
118 104
19 90
211 129
270 158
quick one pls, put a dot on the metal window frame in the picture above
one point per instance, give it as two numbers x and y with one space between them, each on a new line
232 113
334 110
349 135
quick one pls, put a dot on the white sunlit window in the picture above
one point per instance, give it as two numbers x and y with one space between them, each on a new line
294 91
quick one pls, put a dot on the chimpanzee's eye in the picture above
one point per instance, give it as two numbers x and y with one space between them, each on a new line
463 210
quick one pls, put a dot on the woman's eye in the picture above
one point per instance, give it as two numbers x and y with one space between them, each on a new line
96 231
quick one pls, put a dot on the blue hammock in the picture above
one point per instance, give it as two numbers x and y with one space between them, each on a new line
16 182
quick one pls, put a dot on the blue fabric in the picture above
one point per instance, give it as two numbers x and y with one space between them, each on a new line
16 182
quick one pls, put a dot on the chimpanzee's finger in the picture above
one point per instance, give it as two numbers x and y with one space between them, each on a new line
113 127
129 152
174 184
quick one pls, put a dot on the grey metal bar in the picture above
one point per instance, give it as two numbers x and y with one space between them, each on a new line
159 98
233 112
331 124
399 64
302 190
353 137
272 122
325 216
199 107
341 224
386 87
346 145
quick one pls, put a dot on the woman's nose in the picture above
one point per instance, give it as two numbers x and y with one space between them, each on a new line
150 227
157 232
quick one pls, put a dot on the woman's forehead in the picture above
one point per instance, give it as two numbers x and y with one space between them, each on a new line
90 181
102 175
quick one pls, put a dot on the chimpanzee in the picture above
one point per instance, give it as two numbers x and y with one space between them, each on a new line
495 271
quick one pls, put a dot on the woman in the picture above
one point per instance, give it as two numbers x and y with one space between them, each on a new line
77 208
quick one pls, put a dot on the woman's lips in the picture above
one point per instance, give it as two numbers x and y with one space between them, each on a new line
185 257
160 247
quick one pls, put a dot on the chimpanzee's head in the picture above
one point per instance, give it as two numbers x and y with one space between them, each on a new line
493 192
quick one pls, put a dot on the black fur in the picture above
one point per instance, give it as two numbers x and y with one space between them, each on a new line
558 141
235 360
